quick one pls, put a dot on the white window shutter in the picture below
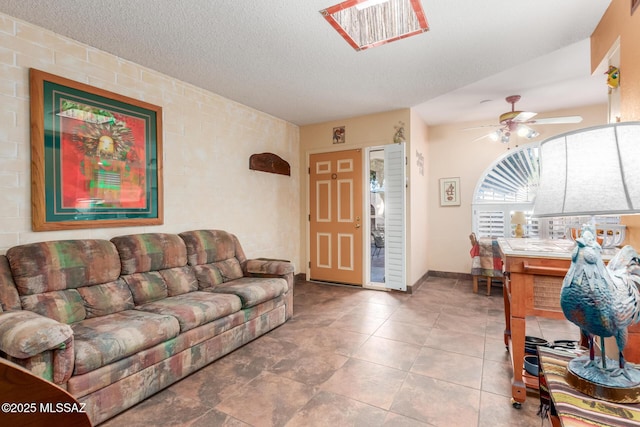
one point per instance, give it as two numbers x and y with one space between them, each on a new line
395 220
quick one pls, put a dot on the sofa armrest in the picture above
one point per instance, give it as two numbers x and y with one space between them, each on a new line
269 267
24 334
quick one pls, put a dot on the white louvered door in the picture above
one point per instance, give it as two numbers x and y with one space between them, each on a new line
395 220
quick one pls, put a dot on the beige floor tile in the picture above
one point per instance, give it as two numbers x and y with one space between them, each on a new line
366 382
447 366
437 402
390 353
268 400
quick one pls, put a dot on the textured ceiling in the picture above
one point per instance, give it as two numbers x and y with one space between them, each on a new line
283 58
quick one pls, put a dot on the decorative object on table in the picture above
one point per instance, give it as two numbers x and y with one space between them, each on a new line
449 191
96 157
339 135
594 172
603 301
518 219
607 235
269 162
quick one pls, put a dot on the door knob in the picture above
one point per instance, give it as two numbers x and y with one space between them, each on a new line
357 225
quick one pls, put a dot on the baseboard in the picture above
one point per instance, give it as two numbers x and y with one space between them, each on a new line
450 275
412 288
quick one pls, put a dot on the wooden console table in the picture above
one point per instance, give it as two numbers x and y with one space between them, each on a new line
534 270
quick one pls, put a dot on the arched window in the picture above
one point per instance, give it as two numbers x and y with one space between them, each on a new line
510 185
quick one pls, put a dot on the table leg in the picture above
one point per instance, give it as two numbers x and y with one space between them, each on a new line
518 388
488 286
507 314
475 284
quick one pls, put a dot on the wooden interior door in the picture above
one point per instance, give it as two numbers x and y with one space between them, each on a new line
335 217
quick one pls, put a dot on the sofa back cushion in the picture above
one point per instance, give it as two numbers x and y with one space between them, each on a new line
140 253
9 298
49 275
60 265
216 256
210 246
154 266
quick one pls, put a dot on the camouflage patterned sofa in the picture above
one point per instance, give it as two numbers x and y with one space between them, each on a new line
113 322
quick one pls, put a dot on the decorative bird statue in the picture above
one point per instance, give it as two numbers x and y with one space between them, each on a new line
602 300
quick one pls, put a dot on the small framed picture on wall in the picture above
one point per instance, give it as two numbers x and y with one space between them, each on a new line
338 135
449 191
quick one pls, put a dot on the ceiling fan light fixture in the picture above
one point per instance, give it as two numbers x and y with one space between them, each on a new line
527 132
369 23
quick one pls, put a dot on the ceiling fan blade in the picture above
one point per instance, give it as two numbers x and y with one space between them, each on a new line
482 127
556 120
482 137
524 116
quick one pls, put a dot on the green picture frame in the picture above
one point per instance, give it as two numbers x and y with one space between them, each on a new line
96 157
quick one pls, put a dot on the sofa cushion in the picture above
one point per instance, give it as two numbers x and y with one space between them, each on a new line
9 298
146 287
253 290
101 340
140 253
65 264
230 269
63 306
100 300
179 280
25 334
208 275
209 246
195 308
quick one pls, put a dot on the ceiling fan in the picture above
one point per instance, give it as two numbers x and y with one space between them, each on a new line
517 122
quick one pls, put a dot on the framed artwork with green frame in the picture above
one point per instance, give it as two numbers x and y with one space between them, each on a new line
96 157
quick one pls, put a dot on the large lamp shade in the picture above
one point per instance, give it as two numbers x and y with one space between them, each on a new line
592 171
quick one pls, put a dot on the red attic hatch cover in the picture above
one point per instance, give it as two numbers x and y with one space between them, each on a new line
369 23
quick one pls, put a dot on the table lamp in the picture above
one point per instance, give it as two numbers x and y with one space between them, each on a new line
595 171
518 219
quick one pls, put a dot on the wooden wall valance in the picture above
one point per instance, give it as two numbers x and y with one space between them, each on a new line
269 162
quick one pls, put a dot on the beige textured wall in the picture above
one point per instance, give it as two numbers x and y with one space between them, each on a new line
453 154
419 196
207 143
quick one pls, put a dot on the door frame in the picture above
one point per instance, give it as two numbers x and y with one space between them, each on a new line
366 252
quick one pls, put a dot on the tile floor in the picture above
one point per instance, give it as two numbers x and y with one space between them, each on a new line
352 357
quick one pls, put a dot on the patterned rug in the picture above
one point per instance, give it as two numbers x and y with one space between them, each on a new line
576 409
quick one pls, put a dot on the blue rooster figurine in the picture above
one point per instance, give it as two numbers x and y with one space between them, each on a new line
602 300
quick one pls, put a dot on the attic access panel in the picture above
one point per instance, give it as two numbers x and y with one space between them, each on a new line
369 23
